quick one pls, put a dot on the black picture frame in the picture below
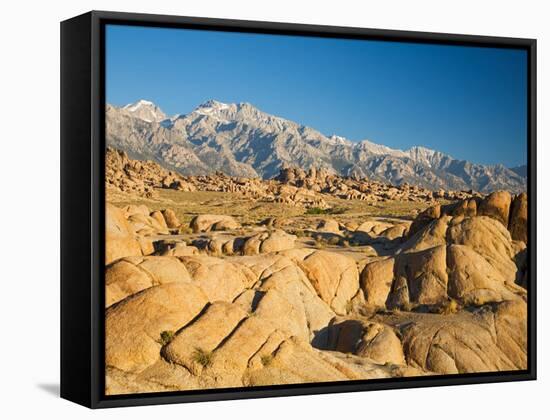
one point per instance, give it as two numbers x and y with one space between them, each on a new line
83 207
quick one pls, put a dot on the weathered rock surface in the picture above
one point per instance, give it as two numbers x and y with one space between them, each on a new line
488 238
259 243
139 178
285 295
208 222
219 279
122 279
471 260
489 339
473 280
253 305
120 239
267 242
419 277
175 248
134 325
497 206
215 324
172 220
376 281
129 230
375 341
334 277
510 211
518 218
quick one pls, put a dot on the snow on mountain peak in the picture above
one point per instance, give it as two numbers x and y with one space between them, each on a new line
213 105
338 139
275 140
145 110
134 106
211 108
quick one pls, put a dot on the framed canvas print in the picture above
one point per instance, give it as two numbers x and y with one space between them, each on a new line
255 209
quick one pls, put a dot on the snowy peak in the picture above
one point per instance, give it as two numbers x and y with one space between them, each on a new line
215 109
136 105
334 139
243 112
212 105
145 110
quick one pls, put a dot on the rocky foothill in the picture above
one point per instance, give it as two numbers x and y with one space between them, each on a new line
138 177
292 186
216 303
355 188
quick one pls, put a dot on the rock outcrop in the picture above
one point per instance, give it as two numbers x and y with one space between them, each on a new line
293 186
517 224
492 338
470 260
129 231
139 178
120 239
134 326
221 304
510 211
208 222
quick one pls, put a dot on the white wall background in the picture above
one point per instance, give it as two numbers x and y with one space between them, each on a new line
29 206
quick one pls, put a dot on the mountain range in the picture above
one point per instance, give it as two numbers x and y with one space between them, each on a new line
241 140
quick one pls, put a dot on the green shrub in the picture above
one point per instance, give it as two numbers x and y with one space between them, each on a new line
266 359
202 357
166 337
448 308
316 210
319 210
185 230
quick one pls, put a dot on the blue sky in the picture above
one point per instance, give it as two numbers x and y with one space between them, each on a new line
468 102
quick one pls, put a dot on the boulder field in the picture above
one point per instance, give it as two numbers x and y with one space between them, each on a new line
232 306
292 186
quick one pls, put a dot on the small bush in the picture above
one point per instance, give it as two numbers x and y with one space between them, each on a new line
319 210
334 240
166 337
316 210
185 230
266 359
448 308
202 357
391 366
